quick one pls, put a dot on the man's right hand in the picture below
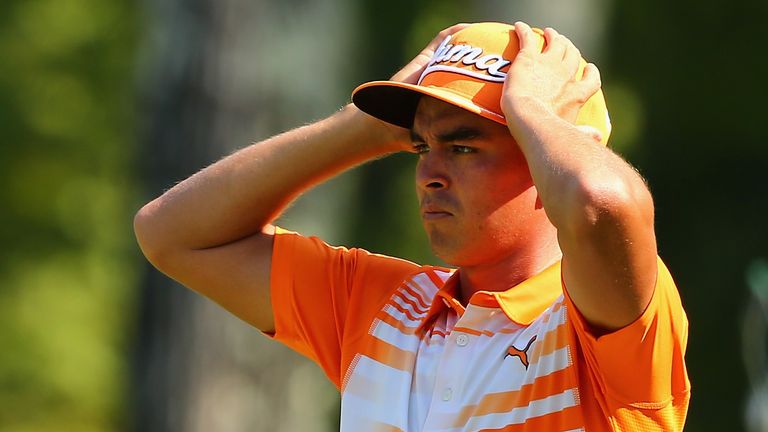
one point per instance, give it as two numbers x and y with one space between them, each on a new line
410 74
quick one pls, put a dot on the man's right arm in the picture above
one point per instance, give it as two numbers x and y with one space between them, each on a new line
212 231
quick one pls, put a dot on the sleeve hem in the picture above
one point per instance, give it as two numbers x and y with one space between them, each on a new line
279 288
607 353
649 405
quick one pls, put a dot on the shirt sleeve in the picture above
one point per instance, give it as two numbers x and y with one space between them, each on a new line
641 365
313 288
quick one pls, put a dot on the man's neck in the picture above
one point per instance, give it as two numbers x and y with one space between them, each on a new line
510 270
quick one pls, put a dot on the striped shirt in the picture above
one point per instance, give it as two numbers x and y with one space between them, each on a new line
407 356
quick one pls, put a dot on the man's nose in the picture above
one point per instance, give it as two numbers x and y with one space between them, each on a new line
431 172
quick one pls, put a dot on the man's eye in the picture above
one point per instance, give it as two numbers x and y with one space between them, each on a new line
463 149
420 148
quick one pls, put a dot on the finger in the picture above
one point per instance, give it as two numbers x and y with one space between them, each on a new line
430 48
449 31
525 37
571 59
566 43
591 75
590 81
555 43
411 72
444 33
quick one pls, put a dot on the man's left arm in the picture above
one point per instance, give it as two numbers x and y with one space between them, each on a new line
599 204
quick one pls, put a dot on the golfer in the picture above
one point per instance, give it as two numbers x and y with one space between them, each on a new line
556 313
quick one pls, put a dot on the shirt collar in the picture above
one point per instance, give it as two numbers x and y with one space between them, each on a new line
522 303
445 298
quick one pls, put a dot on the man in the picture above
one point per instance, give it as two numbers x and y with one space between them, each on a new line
560 315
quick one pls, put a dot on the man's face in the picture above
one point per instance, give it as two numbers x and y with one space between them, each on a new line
475 192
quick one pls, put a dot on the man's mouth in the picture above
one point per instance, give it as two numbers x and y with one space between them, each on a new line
431 212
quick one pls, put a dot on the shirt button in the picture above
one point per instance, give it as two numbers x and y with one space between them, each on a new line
447 394
462 340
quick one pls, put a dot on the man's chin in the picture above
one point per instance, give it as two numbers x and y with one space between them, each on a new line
451 249
444 253
452 256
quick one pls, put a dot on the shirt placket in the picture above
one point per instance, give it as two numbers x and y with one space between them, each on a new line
451 370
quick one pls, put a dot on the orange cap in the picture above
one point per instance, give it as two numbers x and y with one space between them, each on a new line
467 70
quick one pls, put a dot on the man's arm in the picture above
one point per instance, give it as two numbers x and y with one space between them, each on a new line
212 231
599 204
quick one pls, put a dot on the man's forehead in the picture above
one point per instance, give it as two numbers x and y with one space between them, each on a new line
436 115
431 111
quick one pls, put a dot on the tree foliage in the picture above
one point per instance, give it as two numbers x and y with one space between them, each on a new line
66 173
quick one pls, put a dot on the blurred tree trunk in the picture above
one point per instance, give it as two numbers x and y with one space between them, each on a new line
219 74
178 121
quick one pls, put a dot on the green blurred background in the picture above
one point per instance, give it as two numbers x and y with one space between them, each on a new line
104 104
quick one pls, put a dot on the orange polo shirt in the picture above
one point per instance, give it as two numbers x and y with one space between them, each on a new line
407 356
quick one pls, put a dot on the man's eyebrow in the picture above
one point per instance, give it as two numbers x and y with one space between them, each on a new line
462 133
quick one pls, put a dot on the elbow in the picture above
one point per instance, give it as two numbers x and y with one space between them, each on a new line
147 235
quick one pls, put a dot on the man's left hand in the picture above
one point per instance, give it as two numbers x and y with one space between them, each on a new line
548 77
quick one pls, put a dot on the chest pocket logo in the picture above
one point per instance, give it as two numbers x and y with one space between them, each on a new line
522 354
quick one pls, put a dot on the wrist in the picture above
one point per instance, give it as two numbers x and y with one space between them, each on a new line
378 136
525 112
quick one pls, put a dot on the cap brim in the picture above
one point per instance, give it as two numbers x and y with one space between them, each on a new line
396 102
